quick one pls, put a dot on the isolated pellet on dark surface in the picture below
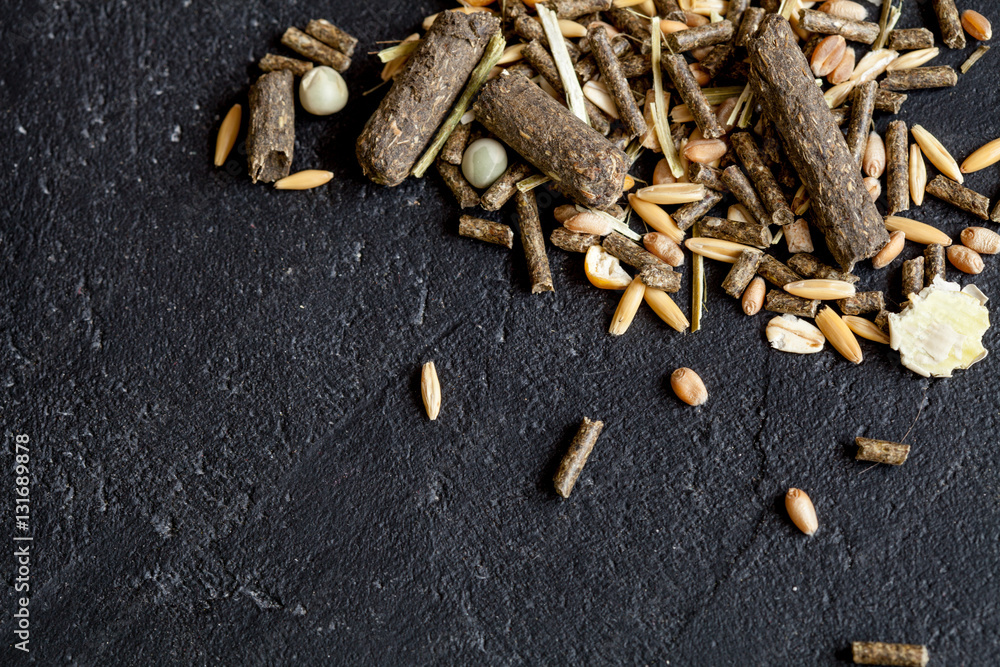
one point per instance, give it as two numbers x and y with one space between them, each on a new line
465 194
614 79
332 36
572 9
585 166
708 176
632 253
677 67
573 241
828 24
504 187
897 167
775 272
861 117
889 101
741 273
779 301
579 451
920 78
881 451
740 186
670 10
688 214
959 196
271 130
661 279
315 50
534 242
910 39
913 276
764 182
274 63
880 653
708 34
861 303
422 94
809 266
752 18
486 230
783 83
934 263
747 233
952 32
454 149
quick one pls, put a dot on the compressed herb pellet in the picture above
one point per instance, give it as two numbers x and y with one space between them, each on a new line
533 242
880 653
775 272
584 165
960 196
661 279
579 451
273 63
808 266
632 253
572 241
910 39
315 50
464 193
861 303
541 60
920 78
708 176
913 276
897 167
933 264
783 83
271 131
571 9
861 118
887 100
741 273
635 65
740 186
630 22
764 182
708 34
882 320
721 55
332 36
505 186
688 214
752 19
422 95
677 67
486 230
670 10
454 149
881 451
827 24
614 79
747 233
529 28
995 215
952 32
779 301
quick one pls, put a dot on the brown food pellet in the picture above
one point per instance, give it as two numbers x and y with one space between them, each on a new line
273 63
571 9
693 96
920 78
614 79
767 187
271 130
747 233
934 263
465 194
661 279
454 148
881 451
882 320
861 303
486 230
913 276
897 167
776 273
576 457
504 187
889 101
880 653
959 196
669 10
630 22
533 242
952 32
861 118
740 186
541 60
828 24
779 301
741 273
752 19
688 214
572 241
910 39
709 34
315 50
809 266
332 36
632 253
708 176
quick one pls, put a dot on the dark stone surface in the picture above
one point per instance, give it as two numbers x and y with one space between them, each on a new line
229 458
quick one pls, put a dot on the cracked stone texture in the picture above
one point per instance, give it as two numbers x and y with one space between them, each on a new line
229 457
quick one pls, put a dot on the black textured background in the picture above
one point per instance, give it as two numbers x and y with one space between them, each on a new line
230 462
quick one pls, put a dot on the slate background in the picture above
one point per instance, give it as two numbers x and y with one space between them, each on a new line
229 458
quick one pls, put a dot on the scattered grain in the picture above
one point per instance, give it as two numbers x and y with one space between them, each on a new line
890 250
822 289
228 131
430 390
866 329
977 25
801 511
965 259
982 157
839 334
304 180
937 154
688 386
918 232
982 240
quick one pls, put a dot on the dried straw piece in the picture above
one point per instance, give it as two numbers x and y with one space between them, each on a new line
691 93
430 390
273 63
918 175
897 167
866 329
271 131
747 233
486 230
880 653
740 186
229 130
465 194
827 24
315 50
533 242
918 232
779 301
687 215
801 511
960 196
573 242
861 303
910 39
576 457
934 263
974 58
891 250
614 79
666 309
913 276
950 22
839 334
920 78
861 118
753 296
809 266
332 36
661 279
776 273
881 451
767 187
709 34
741 273
627 307
504 187
304 180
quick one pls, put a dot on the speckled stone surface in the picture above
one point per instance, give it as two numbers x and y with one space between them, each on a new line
230 462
